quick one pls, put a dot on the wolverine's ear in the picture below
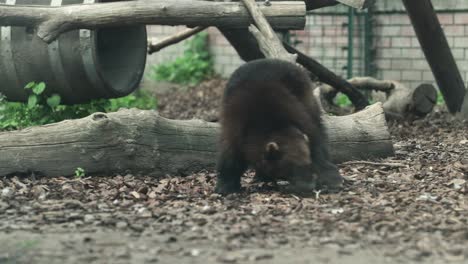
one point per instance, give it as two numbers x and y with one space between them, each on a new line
272 151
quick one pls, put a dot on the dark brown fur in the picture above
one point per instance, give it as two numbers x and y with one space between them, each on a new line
268 107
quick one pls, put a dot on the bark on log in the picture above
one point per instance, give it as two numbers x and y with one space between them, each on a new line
52 21
141 141
437 52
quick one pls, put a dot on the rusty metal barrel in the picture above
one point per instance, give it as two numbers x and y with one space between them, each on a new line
79 66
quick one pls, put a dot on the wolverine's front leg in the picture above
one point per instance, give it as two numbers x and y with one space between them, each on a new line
231 166
328 174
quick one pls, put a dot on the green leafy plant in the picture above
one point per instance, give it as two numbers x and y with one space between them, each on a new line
342 100
192 67
440 98
80 172
43 109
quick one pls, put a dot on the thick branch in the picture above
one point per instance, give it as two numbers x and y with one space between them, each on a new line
326 76
464 109
268 41
176 38
359 4
142 141
52 21
368 83
316 4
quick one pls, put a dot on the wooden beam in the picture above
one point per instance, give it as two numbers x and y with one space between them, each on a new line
52 21
437 52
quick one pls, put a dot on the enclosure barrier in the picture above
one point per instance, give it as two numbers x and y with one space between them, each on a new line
80 65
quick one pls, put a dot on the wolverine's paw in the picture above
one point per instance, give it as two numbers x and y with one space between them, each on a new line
225 189
301 187
259 178
331 181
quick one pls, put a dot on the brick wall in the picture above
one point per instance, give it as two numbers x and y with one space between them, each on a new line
398 54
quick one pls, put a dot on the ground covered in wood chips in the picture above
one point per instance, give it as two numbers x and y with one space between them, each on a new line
409 208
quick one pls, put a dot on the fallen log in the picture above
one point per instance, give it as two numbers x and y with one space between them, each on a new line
141 141
399 101
437 52
50 22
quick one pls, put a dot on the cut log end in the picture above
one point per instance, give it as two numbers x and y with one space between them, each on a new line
424 99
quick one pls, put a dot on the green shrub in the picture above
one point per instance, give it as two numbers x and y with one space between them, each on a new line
342 100
80 172
41 109
193 67
440 98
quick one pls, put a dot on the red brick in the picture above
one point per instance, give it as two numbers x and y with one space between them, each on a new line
415 43
384 42
407 31
411 75
399 19
445 19
401 64
398 42
461 18
454 30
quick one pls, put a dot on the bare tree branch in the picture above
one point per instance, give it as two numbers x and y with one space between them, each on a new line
176 38
268 41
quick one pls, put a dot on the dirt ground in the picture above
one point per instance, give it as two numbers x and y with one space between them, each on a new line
411 208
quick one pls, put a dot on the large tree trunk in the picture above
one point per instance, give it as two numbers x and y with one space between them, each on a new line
142 141
52 21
